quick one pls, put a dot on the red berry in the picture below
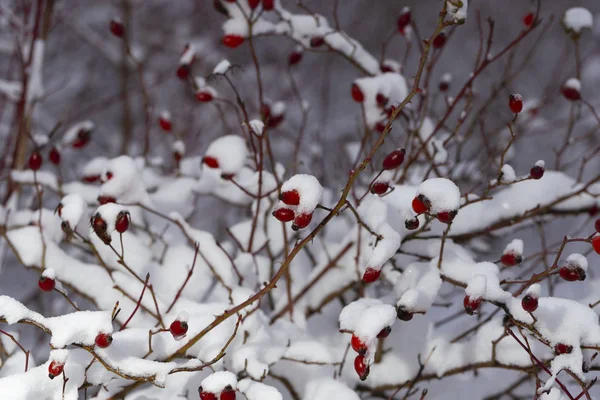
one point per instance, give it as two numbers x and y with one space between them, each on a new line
55 369
381 99
91 178
380 126
571 274
231 1
211 162
439 41
165 124
268 5
411 224
361 367
54 156
46 284
536 172
83 137
357 94
178 328
122 223
317 41
515 103
206 395
596 244
204 96
571 93
404 20
103 340
35 161
177 156
385 332
227 394
403 314
357 345
284 214
291 197
394 159
117 28
98 224
528 20
294 58
386 68
562 348
301 221
106 199
379 187
471 305
253 3
597 225
419 205
529 303
446 217
371 275
511 259
233 41
444 86
183 71
109 175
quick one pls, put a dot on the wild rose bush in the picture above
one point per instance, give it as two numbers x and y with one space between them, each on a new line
437 253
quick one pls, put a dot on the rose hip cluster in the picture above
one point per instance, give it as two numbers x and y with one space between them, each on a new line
300 220
361 365
227 394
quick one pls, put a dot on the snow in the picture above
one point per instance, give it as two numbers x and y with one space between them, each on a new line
49 273
11 89
278 109
308 187
366 318
390 84
328 389
166 115
230 151
215 383
578 18
443 194
60 356
35 88
95 167
514 247
109 213
418 287
507 174
577 260
125 184
188 55
309 351
476 287
457 10
257 127
222 67
72 209
258 391
573 83
534 290
71 133
385 248
540 163
178 147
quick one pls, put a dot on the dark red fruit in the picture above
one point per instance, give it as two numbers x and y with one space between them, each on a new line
122 223
571 93
379 187
515 103
381 99
394 159
528 20
444 86
210 162
596 244
91 178
403 314
371 275
268 5
597 225
361 367
386 68
562 348
103 340
301 221
83 138
54 156
536 172
357 94
403 20
233 41
227 394
317 41
106 199
98 224
572 274
385 332
253 3
46 284
55 369
471 304
380 126
446 217
511 259
439 41
35 161
206 395
165 124
183 71
291 197
529 303
178 328
284 214
412 223
419 205
358 345
117 28
294 58
204 96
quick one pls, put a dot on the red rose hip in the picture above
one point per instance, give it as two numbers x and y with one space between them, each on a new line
358 345
35 161
361 367
178 328
529 303
122 223
371 275
419 205
301 221
54 156
117 28
233 41
515 103
46 284
55 369
103 340
210 162
471 304
394 159
379 188
291 197
284 214
357 94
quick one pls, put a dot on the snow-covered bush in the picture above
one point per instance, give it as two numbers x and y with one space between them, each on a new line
264 251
